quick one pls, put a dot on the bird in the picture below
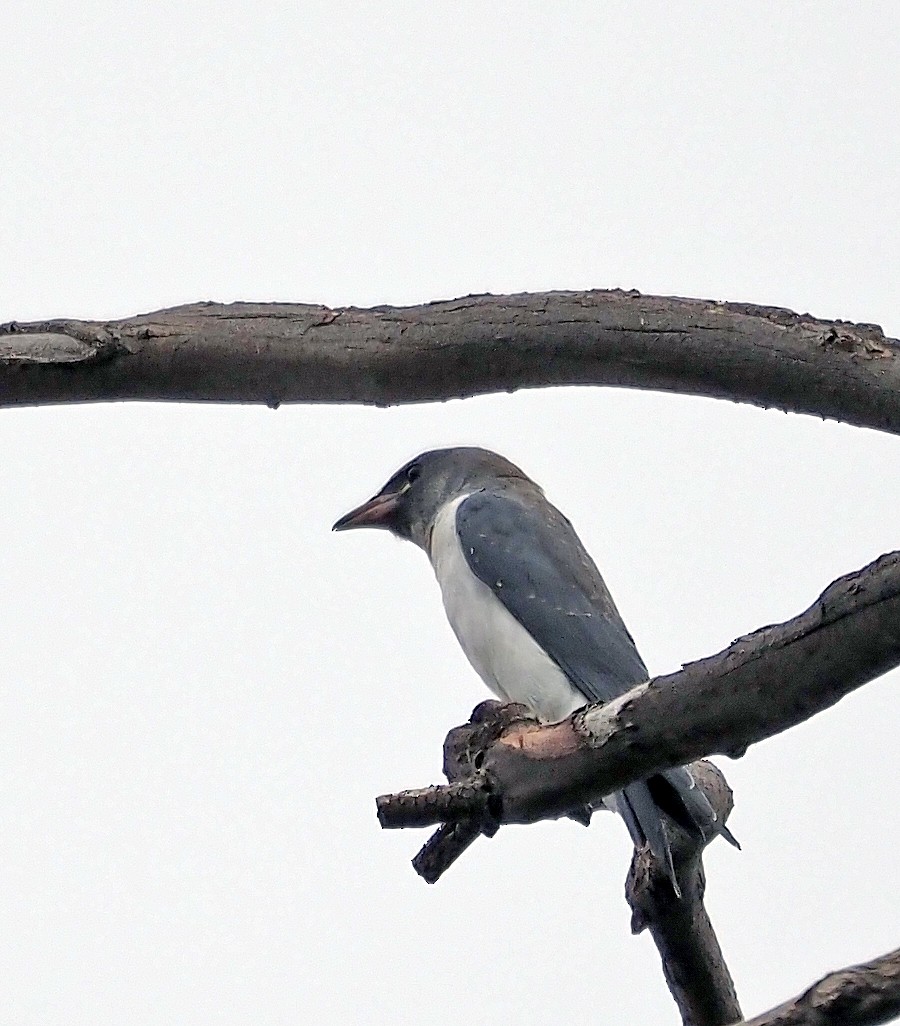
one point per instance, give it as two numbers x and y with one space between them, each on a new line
530 610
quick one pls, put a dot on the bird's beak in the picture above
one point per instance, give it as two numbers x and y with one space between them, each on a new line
376 512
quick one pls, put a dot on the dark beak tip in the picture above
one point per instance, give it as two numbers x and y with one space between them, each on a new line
374 513
345 522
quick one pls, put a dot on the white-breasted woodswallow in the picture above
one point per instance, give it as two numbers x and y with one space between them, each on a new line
529 608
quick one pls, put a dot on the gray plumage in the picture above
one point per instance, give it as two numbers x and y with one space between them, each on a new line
529 607
534 560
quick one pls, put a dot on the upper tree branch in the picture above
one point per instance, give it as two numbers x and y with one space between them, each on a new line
277 352
761 685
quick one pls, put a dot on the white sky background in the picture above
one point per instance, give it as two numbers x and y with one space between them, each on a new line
203 689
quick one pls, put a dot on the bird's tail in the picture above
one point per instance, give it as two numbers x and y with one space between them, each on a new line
674 792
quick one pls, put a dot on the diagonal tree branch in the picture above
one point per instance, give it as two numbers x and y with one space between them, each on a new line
862 995
761 685
279 352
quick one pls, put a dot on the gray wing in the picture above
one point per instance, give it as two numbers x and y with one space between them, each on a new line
534 562
530 556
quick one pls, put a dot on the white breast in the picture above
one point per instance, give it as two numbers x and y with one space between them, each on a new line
502 652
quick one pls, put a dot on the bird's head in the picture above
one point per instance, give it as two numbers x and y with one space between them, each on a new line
408 504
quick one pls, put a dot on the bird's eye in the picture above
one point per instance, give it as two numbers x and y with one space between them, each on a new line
414 471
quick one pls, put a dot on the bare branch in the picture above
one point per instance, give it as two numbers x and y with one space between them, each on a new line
505 767
759 686
863 995
277 352
693 964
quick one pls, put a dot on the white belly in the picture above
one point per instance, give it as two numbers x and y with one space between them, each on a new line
502 652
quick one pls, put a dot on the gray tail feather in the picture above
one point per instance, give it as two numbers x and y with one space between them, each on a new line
644 822
688 805
675 793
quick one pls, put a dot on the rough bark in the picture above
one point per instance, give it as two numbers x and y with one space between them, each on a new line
277 352
862 995
761 685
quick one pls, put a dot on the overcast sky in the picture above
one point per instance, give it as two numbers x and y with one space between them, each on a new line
203 689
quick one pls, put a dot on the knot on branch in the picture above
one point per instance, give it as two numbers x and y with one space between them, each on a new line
466 804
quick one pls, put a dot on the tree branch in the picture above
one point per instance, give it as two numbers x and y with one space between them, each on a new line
692 960
862 995
277 352
759 686
461 753
506 767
